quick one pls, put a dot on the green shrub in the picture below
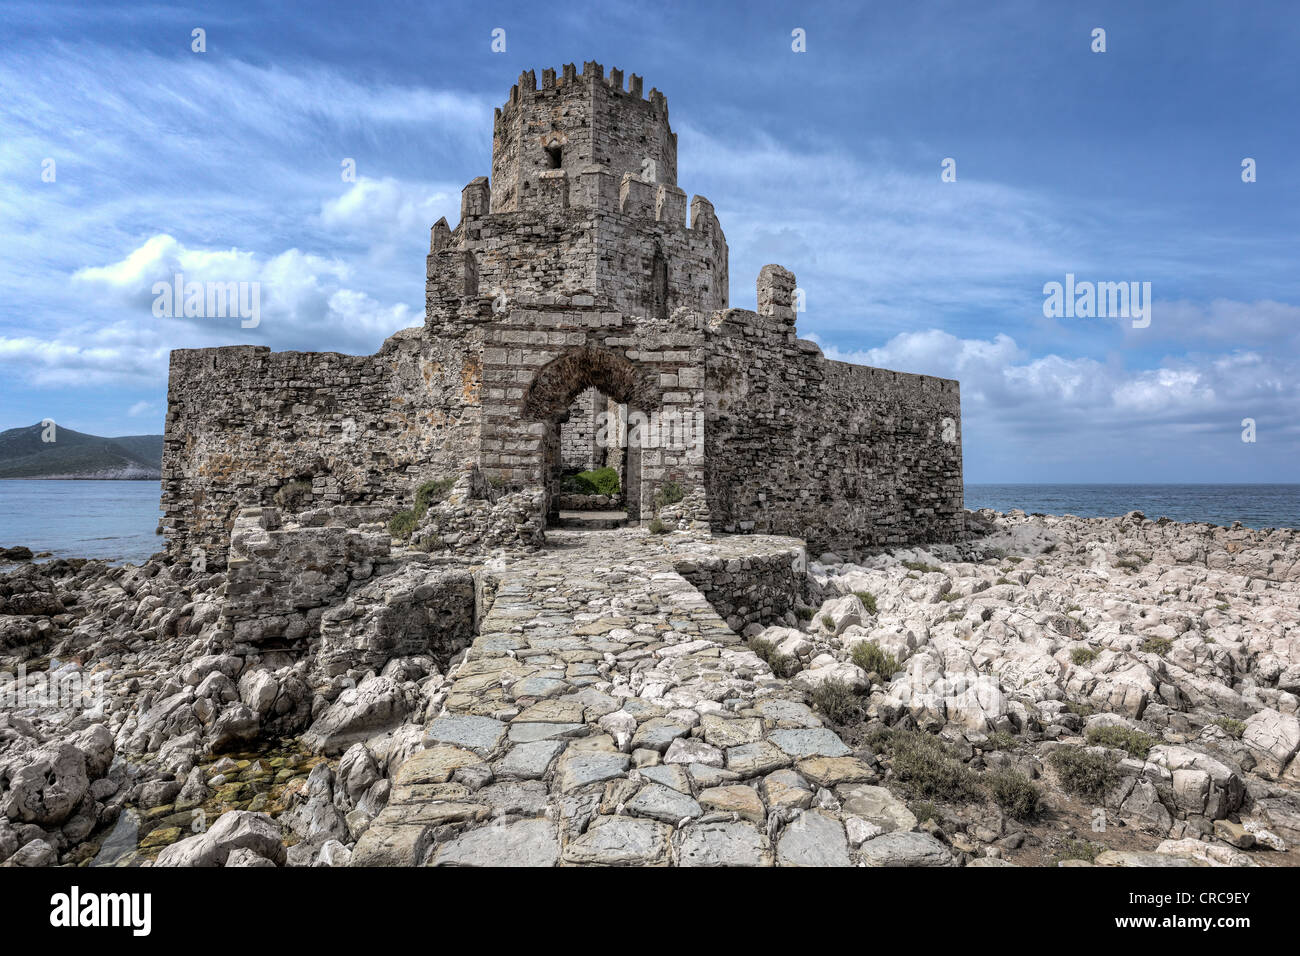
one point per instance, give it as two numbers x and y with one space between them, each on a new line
1157 645
841 704
872 659
999 740
1001 581
928 768
599 481
805 613
669 493
920 566
868 600
924 810
1078 850
1079 710
1135 742
1084 773
828 622
431 493
294 496
1083 655
1015 793
782 665
402 524
656 526
1231 726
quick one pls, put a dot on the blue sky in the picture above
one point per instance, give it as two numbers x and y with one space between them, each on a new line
1115 166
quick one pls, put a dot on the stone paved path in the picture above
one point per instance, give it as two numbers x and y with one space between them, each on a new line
606 715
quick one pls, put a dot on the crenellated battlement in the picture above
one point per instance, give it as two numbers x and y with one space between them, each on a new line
574 121
569 78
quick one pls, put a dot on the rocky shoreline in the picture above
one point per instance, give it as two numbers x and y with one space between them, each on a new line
1051 690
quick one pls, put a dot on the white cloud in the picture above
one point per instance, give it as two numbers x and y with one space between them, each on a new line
385 206
1003 388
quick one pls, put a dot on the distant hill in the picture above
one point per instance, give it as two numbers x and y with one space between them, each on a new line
77 455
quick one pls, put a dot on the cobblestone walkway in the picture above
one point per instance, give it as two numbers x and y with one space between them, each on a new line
606 715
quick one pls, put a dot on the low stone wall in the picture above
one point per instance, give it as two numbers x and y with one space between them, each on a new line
281 579
756 589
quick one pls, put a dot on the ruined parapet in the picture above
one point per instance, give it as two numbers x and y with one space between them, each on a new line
776 290
283 577
476 518
760 589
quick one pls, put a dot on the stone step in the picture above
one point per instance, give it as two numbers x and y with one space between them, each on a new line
591 520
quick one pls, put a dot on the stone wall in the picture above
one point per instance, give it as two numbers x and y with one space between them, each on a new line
417 611
845 456
578 434
243 422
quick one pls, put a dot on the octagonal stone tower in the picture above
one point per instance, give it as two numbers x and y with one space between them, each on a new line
574 123
575 267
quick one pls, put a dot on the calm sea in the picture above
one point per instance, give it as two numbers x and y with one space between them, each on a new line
115 520
1255 506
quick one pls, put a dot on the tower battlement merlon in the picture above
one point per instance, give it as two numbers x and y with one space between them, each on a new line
592 73
574 121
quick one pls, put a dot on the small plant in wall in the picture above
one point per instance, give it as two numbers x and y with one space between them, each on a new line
669 493
402 524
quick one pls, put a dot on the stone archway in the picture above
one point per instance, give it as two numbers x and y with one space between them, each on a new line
556 384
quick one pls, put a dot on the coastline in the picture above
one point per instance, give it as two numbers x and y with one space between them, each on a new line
983 702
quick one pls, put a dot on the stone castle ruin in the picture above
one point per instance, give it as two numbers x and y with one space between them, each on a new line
580 293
